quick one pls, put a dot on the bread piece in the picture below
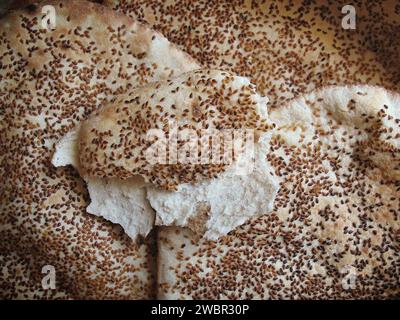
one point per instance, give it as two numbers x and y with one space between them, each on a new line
119 201
333 233
212 208
115 141
50 82
123 202
109 151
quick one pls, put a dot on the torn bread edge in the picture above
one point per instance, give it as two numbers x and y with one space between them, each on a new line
210 208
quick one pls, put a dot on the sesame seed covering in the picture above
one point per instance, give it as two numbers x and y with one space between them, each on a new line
285 47
113 141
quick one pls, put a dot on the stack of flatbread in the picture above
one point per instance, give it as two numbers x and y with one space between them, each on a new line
318 217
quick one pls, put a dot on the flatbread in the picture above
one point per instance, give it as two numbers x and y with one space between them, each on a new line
286 47
114 154
334 231
50 81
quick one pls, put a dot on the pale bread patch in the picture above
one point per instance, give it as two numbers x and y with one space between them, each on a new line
217 206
